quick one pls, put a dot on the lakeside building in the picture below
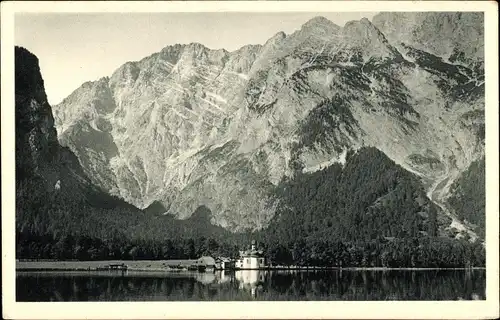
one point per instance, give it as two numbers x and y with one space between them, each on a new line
206 261
251 259
224 263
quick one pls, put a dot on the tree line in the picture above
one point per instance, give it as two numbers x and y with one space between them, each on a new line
366 213
424 252
70 247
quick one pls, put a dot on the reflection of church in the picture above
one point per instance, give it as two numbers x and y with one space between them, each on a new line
250 280
224 277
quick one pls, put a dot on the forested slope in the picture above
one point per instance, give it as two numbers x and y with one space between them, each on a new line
367 212
468 197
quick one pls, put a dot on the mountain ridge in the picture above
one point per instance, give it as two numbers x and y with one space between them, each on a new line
209 127
366 212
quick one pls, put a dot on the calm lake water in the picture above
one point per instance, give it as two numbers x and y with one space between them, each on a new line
251 285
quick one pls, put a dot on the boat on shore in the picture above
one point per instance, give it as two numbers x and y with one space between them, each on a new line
113 267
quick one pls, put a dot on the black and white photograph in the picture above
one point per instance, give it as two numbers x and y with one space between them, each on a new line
225 155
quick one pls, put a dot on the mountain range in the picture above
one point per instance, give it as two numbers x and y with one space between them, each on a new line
330 128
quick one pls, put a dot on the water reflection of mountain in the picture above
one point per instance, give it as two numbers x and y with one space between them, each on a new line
252 285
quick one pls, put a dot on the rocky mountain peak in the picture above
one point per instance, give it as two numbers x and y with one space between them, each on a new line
278 37
29 80
366 36
320 23
273 47
192 126
316 29
361 29
171 53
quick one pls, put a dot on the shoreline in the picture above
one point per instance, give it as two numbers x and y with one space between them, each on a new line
159 266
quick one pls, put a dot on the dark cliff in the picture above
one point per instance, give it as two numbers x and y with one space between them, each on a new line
37 149
50 183
39 157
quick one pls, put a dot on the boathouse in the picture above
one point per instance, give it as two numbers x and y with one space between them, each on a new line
223 263
251 259
207 262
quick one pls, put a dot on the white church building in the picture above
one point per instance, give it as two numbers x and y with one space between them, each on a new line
251 259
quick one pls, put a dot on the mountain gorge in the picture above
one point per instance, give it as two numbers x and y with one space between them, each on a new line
190 126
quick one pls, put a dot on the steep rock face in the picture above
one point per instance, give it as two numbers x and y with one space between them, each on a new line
190 126
53 193
38 153
457 36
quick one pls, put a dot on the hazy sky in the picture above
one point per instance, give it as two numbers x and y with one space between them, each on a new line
74 48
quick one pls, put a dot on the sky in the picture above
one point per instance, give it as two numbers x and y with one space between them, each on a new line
73 48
